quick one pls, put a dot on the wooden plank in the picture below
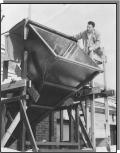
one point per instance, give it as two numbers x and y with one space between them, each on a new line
13 85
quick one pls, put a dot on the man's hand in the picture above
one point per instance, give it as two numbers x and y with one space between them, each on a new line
91 48
74 38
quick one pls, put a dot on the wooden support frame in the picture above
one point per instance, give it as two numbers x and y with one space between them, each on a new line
61 125
10 130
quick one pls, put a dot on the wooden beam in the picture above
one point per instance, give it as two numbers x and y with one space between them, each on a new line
59 86
42 107
66 107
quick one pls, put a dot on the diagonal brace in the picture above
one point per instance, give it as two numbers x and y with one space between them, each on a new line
27 124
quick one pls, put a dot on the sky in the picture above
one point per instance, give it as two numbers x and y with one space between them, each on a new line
72 19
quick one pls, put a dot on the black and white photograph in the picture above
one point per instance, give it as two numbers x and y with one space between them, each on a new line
58 77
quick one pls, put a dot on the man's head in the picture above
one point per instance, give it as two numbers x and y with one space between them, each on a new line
90 26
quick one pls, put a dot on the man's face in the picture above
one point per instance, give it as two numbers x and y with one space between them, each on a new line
90 28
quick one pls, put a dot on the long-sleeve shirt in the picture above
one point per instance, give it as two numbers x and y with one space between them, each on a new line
89 39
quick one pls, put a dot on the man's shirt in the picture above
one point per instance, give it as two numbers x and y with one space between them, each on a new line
89 39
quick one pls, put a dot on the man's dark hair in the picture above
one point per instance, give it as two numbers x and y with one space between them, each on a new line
92 23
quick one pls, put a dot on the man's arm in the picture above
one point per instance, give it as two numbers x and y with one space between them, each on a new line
78 36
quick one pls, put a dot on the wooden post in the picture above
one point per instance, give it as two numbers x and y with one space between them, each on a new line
108 141
24 76
93 122
51 125
70 125
23 129
77 126
61 125
87 101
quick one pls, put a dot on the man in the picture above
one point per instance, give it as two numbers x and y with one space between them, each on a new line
91 39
